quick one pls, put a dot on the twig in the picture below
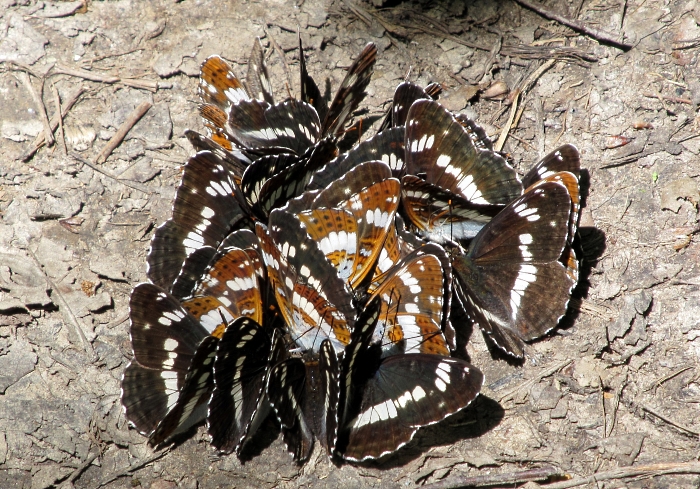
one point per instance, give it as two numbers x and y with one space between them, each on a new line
391 29
111 55
626 160
65 308
57 102
280 53
555 368
121 473
452 38
508 478
365 14
506 128
40 107
126 126
104 172
80 469
153 86
665 378
488 64
605 414
39 141
576 25
682 428
675 100
515 96
652 470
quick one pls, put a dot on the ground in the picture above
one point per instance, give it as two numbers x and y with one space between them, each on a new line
617 385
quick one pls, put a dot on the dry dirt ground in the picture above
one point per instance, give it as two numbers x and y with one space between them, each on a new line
618 386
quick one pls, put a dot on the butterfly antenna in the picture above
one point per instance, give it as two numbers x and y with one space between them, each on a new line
392 305
449 206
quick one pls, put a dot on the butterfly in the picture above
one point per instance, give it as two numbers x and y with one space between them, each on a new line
294 126
511 280
451 187
314 301
404 96
230 286
166 386
386 146
206 208
238 405
219 88
384 400
350 219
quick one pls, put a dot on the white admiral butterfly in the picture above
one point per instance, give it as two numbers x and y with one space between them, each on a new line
511 280
384 400
205 210
166 386
451 187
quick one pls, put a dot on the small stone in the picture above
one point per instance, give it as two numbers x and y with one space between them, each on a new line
560 411
683 188
548 399
19 362
167 64
20 42
141 171
99 302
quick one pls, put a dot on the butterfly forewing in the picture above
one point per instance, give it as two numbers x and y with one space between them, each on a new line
191 272
243 360
369 196
257 78
565 158
236 161
218 85
190 407
438 146
291 182
309 90
404 96
314 301
285 390
163 334
386 146
351 91
290 126
204 212
533 228
232 278
412 306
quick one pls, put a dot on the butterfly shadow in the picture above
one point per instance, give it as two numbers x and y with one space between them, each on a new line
265 436
589 244
477 419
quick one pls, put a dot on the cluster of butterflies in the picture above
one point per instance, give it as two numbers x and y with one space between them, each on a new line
319 286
